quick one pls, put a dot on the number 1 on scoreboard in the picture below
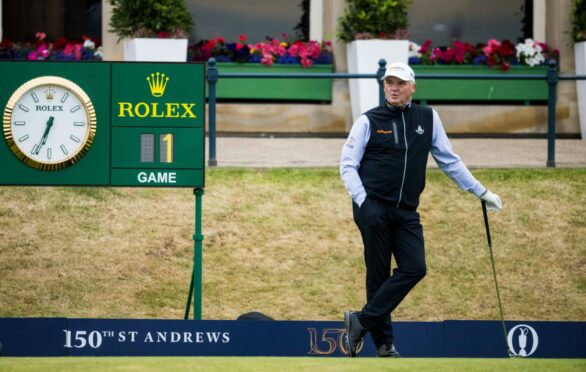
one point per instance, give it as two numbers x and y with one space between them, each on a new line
166 148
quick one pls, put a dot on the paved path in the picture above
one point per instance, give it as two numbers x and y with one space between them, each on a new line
263 152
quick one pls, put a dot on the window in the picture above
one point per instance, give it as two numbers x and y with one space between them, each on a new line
256 19
71 19
443 21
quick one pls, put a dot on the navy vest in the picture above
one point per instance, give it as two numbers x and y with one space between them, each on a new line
395 158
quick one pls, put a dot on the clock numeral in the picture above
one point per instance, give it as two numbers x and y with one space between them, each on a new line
64 149
23 138
79 124
74 138
35 98
65 96
23 108
49 153
19 123
76 108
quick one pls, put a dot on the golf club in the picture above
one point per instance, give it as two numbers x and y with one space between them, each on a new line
498 296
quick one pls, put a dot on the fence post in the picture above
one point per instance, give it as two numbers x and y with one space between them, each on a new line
212 80
552 81
382 63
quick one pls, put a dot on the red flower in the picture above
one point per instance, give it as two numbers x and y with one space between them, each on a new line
425 47
61 43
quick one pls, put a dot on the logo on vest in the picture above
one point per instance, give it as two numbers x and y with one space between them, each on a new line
419 130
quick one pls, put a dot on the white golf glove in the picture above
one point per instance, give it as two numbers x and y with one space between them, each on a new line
493 202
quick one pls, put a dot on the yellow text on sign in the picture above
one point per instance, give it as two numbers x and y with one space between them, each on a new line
152 110
167 147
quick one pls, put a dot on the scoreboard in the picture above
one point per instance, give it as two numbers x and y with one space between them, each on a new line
103 124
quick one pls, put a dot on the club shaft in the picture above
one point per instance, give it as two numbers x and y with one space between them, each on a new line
496 285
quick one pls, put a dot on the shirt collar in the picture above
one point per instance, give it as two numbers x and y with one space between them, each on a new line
397 108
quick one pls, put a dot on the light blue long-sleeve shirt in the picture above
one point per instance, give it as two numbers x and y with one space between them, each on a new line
441 151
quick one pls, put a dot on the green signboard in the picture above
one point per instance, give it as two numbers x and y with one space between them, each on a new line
103 124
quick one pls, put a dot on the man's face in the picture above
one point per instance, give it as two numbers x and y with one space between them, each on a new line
398 92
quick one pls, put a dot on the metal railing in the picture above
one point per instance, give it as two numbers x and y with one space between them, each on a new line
552 77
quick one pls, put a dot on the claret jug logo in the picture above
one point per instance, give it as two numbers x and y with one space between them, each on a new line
157 84
523 340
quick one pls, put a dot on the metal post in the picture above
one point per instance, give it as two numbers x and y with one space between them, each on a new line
212 80
196 277
552 81
382 63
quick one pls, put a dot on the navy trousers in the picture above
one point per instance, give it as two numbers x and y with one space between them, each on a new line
388 231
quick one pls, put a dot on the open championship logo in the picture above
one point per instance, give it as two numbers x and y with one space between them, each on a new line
523 340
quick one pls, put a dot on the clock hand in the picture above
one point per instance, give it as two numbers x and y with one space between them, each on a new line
45 135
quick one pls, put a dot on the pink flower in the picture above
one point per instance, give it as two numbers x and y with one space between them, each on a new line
43 51
78 48
267 59
33 56
242 38
40 35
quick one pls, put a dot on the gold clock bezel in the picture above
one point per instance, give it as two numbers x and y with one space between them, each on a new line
55 81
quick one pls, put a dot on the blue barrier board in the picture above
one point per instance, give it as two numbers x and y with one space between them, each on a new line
149 337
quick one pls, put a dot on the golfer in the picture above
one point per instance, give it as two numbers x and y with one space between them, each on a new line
383 167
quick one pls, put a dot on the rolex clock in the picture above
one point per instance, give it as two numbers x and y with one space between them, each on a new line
49 123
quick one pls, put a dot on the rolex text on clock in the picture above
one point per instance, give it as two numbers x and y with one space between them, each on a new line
49 123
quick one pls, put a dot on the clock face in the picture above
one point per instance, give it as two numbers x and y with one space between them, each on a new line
49 123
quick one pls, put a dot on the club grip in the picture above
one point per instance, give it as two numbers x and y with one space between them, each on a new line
486 222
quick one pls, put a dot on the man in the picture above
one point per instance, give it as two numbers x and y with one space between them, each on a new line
383 167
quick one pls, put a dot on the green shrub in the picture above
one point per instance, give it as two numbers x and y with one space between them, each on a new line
150 18
374 19
579 21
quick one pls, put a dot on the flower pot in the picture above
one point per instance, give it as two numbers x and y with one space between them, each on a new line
155 50
580 53
273 89
363 57
522 91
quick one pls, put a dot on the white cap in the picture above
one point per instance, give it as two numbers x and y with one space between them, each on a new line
401 71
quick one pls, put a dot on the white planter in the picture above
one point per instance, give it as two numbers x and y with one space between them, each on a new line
155 50
363 57
580 53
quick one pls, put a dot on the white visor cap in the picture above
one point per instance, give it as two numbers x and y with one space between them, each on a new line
401 71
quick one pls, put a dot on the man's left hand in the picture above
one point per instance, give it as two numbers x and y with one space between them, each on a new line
493 202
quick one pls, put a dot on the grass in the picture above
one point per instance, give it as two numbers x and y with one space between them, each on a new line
283 242
286 364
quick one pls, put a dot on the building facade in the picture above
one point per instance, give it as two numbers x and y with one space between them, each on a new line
439 20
